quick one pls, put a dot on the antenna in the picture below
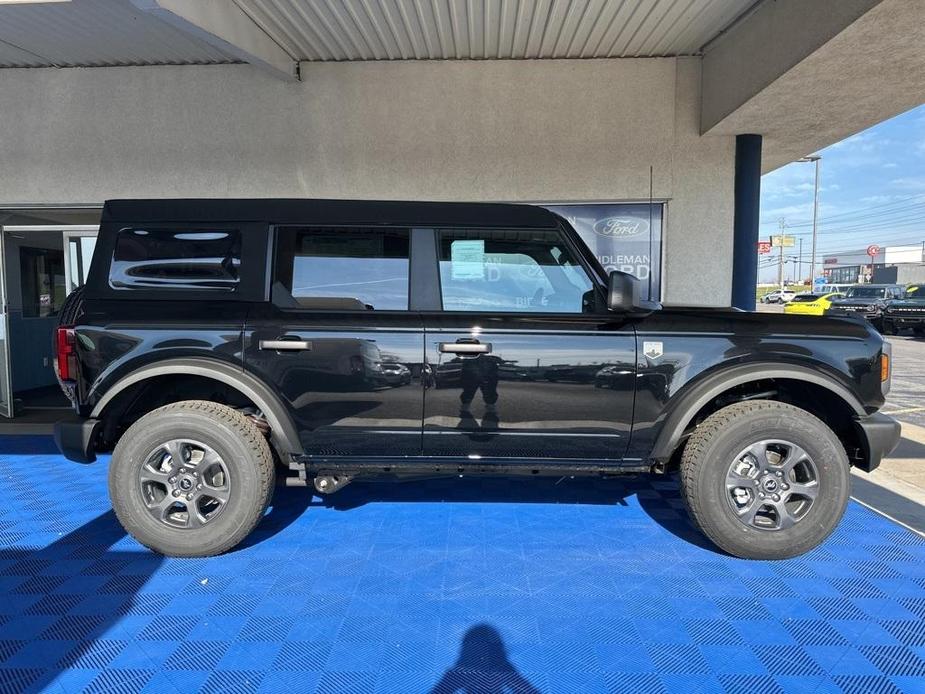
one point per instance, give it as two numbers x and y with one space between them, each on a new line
651 234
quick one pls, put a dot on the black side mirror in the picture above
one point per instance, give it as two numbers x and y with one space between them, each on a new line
623 295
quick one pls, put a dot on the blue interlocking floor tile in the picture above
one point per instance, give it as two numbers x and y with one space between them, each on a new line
474 585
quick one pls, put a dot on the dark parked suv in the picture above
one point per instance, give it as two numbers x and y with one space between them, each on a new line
868 301
217 341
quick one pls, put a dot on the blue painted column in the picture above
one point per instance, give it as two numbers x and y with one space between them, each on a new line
745 222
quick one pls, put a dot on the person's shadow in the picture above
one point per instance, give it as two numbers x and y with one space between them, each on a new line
483 667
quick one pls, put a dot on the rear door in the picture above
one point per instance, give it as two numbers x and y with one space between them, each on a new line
522 360
338 341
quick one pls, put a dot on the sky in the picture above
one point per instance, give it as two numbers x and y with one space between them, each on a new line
872 191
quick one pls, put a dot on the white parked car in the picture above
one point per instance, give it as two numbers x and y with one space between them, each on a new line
778 296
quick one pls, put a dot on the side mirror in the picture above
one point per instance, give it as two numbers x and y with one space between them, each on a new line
623 295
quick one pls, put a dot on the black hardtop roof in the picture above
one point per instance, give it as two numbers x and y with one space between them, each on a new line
327 212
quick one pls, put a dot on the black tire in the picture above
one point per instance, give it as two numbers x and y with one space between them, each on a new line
714 446
72 308
241 448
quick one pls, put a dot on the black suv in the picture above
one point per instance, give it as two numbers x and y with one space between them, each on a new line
868 301
906 313
218 340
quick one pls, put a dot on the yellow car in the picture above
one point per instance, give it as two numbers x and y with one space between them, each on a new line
811 304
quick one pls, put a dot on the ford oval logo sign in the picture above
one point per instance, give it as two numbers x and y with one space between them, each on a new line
621 227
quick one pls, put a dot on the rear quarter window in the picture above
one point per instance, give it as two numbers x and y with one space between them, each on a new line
197 259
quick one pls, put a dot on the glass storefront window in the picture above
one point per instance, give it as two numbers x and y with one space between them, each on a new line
623 236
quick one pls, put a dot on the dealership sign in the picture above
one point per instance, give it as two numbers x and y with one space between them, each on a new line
873 250
623 236
621 227
764 247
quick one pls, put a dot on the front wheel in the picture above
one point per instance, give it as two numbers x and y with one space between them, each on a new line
765 480
191 479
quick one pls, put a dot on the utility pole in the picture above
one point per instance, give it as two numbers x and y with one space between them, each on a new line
780 253
816 159
800 265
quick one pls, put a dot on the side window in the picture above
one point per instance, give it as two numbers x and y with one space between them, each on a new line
347 269
511 271
200 259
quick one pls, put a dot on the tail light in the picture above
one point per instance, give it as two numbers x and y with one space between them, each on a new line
65 353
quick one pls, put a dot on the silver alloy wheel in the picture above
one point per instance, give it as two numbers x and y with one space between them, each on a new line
772 484
184 483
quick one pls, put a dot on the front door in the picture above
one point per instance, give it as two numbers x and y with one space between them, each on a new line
338 341
523 362
6 390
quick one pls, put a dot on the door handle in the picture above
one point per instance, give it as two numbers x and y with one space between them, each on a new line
465 347
290 345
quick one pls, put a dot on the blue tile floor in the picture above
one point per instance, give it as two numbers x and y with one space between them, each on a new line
481 585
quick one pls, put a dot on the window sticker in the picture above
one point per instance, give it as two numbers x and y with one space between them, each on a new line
467 259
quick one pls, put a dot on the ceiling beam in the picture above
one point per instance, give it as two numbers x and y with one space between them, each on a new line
224 25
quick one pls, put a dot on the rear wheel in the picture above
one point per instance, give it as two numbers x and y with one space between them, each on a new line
765 480
191 479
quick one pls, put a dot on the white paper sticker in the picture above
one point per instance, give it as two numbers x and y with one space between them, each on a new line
467 260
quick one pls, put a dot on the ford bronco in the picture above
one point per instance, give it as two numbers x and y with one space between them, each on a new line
218 342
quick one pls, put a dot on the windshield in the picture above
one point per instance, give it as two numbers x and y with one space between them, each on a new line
866 293
800 298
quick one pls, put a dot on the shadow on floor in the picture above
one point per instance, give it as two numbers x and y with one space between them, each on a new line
483 667
79 619
658 498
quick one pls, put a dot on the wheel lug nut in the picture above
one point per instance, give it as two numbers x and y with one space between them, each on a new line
776 497
189 497
198 486
176 492
173 479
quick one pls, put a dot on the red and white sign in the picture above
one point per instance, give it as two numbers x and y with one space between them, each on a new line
873 250
764 247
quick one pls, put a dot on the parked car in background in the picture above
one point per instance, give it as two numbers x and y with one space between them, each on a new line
778 296
867 301
824 289
902 314
396 374
811 304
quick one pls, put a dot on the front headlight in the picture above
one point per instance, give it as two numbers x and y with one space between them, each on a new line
872 307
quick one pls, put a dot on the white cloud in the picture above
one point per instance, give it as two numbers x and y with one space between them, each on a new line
909 183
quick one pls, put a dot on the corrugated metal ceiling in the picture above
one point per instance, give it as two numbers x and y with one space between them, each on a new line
114 32
94 33
486 29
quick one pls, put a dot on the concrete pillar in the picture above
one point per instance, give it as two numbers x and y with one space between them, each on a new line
745 221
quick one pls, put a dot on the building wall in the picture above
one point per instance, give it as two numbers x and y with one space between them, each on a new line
551 131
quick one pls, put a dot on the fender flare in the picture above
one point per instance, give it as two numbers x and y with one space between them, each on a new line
283 433
704 390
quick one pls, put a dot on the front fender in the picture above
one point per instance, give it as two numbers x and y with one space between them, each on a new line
686 404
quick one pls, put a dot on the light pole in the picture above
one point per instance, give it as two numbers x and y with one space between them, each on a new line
815 158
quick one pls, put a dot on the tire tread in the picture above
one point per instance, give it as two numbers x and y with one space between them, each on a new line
252 438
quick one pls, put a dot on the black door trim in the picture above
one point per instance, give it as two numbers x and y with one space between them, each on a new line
424 294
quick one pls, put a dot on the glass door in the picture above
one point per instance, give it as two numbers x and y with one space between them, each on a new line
78 252
6 395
